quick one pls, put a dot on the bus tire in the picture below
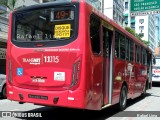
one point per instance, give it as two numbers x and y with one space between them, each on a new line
123 98
4 92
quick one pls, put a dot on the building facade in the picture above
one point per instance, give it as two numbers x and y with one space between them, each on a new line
157 30
23 3
114 9
3 38
143 25
3 25
4 30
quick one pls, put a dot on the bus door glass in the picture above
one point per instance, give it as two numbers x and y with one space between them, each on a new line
107 38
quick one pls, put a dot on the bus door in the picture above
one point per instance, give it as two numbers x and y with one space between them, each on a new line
107 40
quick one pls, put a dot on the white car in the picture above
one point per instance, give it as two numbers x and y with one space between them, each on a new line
3 85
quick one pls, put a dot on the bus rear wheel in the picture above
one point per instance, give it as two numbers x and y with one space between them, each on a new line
4 92
123 98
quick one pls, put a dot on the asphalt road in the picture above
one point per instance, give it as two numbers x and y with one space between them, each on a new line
137 109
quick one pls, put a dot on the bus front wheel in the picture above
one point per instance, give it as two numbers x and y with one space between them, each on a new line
123 98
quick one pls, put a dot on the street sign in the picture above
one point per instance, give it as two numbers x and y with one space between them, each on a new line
144 7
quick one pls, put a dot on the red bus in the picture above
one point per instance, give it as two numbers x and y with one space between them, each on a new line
71 55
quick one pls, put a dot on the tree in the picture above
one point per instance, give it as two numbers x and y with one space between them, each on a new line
130 30
145 42
139 36
10 4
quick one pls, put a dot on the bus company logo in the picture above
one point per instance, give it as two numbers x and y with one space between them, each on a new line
33 61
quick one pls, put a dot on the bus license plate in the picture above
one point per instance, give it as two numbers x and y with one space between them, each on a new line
38 97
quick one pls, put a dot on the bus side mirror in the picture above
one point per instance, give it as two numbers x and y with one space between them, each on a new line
154 61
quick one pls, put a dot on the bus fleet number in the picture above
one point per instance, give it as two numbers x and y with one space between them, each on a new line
51 59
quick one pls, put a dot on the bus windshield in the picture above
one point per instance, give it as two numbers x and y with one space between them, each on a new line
47 24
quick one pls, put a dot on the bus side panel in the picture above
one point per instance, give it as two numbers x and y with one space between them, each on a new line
118 78
137 80
141 77
143 72
93 69
8 53
96 84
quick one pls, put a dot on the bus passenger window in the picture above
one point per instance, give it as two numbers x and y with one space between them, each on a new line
122 47
144 57
131 50
117 45
127 49
95 34
137 54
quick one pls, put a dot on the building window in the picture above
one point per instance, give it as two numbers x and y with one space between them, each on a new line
126 18
120 19
132 25
141 28
126 5
132 18
141 21
141 34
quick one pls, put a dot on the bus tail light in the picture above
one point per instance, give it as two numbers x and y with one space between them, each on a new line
76 73
10 72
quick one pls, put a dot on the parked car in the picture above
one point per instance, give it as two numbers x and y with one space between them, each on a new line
3 85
